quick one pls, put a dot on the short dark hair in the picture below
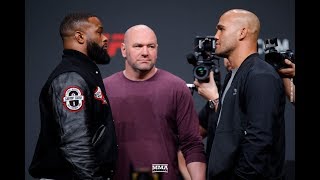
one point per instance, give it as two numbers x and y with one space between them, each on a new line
73 22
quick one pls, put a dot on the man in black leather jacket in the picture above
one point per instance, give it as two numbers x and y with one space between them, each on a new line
77 138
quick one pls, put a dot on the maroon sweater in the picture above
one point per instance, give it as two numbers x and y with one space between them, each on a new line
153 119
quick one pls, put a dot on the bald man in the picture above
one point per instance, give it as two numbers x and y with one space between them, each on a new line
246 138
154 114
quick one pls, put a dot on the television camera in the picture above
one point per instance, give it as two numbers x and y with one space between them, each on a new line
274 57
204 59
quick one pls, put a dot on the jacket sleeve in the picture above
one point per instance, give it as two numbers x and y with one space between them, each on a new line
204 116
73 112
263 105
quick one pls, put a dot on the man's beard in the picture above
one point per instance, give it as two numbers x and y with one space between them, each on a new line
98 54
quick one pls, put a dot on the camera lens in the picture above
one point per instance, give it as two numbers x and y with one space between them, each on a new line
201 72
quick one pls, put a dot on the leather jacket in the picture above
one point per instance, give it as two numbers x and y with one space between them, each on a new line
77 138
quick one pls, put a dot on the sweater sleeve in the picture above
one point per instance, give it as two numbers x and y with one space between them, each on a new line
190 139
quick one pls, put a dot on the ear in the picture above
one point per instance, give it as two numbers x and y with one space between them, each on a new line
80 37
123 50
243 33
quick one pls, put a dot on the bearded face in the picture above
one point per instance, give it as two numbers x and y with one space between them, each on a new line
98 54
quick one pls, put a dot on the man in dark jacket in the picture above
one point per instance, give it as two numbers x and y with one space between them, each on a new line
77 138
247 134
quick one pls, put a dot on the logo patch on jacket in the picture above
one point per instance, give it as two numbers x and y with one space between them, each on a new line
234 91
73 98
99 96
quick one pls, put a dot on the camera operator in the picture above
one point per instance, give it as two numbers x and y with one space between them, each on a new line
287 75
283 63
208 91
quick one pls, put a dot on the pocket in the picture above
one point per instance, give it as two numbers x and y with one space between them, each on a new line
98 135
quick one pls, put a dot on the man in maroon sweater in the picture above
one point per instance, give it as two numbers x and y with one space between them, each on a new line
154 113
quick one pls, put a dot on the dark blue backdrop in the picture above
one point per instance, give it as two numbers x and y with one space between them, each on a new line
176 23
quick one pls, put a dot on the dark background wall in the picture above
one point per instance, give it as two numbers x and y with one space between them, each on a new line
176 23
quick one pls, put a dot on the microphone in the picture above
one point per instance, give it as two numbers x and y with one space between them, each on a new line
192 59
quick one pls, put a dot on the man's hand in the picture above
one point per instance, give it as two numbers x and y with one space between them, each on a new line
288 72
208 90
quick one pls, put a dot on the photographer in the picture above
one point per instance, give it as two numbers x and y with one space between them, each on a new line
287 75
283 63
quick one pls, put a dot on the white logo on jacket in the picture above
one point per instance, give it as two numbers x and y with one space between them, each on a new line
73 98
